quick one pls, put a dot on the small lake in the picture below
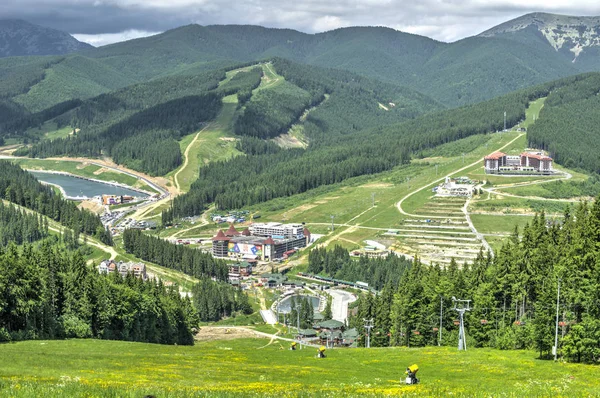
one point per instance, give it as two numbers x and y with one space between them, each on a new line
286 303
74 186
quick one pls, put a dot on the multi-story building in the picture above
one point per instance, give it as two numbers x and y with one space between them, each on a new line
264 242
277 230
525 163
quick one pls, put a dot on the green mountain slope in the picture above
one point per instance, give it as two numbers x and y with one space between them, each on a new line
138 125
530 50
569 124
19 38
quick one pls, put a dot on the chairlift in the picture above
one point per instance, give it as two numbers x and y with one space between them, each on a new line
456 322
436 329
416 332
484 322
519 323
562 324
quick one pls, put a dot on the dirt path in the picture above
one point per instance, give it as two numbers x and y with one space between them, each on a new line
399 204
465 208
58 228
494 190
186 155
208 333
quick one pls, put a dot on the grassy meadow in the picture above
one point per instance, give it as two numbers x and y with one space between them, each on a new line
253 367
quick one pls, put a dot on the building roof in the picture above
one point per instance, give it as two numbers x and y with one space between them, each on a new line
246 232
350 334
331 324
495 156
536 156
307 332
232 231
317 316
220 236
269 241
306 232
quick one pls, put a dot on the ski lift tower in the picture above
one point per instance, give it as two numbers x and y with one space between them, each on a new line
461 306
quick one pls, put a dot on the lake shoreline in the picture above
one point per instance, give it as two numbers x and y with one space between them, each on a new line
64 173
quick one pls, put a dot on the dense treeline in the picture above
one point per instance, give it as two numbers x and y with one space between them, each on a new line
271 112
178 257
139 125
19 227
144 140
13 127
47 294
217 300
280 174
155 152
20 187
514 294
304 314
243 83
353 101
256 146
377 272
569 124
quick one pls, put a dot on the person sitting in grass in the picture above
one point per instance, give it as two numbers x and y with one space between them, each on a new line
293 346
321 352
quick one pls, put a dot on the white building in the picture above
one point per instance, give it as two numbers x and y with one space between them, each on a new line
277 230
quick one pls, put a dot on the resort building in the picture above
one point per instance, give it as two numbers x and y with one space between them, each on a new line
526 163
266 242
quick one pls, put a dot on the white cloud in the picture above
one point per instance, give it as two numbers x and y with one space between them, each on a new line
104 39
328 22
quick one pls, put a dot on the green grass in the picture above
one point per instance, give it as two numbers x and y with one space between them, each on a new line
533 112
490 224
50 131
215 143
250 367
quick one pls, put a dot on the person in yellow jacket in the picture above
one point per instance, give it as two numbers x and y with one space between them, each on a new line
321 352
293 346
411 374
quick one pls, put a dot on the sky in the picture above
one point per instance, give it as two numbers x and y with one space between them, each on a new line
101 22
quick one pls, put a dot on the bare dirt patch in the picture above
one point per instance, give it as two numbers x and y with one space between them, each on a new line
377 185
297 210
92 206
100 171
210 333
289 141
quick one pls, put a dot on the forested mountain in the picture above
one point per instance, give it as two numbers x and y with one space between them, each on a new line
569 124
514 293
440 70
530 50
139 125
18 38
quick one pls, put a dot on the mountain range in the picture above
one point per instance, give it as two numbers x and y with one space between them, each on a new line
19 38
529 50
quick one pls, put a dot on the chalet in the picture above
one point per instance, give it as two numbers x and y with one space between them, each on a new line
350 337
272 280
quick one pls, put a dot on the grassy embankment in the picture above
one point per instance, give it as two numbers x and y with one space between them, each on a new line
247 367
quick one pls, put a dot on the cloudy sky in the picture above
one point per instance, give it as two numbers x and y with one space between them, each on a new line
106 21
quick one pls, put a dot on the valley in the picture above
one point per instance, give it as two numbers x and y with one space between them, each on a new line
197 212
